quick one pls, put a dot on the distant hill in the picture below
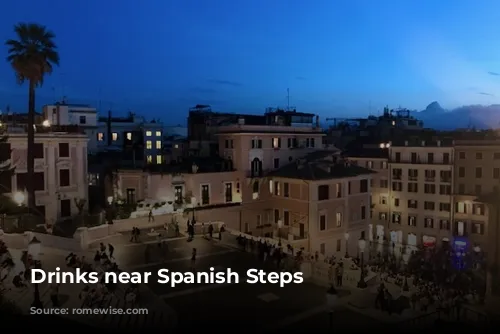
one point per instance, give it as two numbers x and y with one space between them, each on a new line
478 116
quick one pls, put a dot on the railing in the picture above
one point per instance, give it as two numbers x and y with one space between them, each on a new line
467 316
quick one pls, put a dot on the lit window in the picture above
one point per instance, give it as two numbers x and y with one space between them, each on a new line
176 146
149 144
129 135
100 136
149 159
149 133
158 144
158 133
159 159
115 136
276 143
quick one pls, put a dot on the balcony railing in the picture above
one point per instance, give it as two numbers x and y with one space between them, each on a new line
23 128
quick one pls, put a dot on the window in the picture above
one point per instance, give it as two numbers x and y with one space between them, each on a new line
496 173
338 219
445 207
323 192
496 155
255 190
158 144
363 212
63 150
64 180
429 188
83 120
414 158
65 208
38 151
478 209
461 171
430 175
383 200
429 206
412 204
477 228
461 155
286 189
276 143
445 176
446 158
158 133
413 174
276 216
397 157
322 222
276 163
461 188
412 187
479 156
339 245
477 189
445 189
382 216
256 143
363 187
396 218
277 188
22 180
128 136
259 220
429 223
338 190
149 159
114 136
444 224
149 144
205 194
286 217
149 133
461 207
322 249
397 173
384 184
397 186
396 202
229 192
349 187
369 164
430 158
383 165
131 196
479 172
159 159
412 221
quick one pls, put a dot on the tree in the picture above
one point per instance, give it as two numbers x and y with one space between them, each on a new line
7 205
32 55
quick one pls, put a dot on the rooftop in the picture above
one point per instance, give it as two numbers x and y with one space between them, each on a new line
13 129
375 153
320 165
204 165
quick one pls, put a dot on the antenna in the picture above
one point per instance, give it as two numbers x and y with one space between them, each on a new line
288 99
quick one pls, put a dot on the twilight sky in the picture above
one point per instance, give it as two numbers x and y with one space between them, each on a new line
338 58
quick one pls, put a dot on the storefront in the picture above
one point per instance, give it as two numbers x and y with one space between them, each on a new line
428 241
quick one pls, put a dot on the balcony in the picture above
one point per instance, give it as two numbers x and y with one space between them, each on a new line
52 129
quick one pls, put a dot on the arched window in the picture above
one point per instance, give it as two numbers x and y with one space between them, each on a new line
256 167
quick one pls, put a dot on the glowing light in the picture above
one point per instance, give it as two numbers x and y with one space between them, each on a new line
46 123
19 198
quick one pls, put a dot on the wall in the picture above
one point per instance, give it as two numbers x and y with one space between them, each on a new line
50 165
20 241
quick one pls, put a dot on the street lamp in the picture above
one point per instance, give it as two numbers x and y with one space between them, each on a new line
332 302
46 123
34 248
346 237
362 244
19 198
280 225
477 252
110 200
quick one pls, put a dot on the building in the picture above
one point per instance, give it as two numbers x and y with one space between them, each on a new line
81 115
140 141
311 203
421 192
60 168
195 181
376 158
257 149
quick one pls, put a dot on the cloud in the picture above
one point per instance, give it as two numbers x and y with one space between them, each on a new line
226 82
487 94
300 78
494 73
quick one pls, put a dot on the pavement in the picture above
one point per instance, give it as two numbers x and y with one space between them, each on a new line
159 314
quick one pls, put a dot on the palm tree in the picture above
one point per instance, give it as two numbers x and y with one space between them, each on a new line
33 54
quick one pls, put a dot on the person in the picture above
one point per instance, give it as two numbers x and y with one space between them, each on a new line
111 251
97 257
193 259
151 218
102 247
339 273
54 294
210 230
18 281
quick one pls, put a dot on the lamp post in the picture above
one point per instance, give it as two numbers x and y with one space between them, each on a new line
19 198
346 237
362 244
332 302
280 225
34 250
477 253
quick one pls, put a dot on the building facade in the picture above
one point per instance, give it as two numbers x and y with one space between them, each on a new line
60 170
421 193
